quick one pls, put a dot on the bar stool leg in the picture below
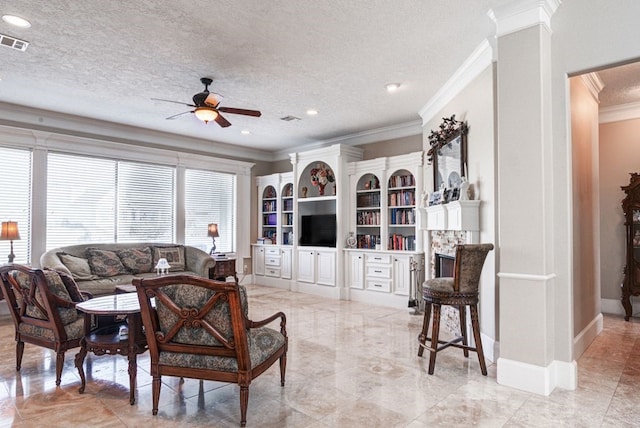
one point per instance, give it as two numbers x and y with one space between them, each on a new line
435 331
462 310
476 336
425 328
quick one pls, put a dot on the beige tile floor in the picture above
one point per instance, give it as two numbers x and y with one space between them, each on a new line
349 365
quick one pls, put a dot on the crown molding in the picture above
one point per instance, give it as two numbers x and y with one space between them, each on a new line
400 130
471 68
594 84
620 112
518 15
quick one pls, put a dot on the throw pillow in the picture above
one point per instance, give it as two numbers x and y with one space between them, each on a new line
78 266
71 286
174 256
105 263
136 260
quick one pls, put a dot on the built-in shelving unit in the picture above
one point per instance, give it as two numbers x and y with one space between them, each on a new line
287 215
269 213
402 211
368 215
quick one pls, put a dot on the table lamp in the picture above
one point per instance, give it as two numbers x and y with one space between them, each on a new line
213 233
9 232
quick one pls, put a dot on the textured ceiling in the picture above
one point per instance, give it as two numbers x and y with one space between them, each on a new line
106 59
621 85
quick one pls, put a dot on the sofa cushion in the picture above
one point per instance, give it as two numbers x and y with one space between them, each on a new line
136 260
70 285
78 266
105 263
173 254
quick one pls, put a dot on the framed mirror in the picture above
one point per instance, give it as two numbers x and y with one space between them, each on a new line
448 155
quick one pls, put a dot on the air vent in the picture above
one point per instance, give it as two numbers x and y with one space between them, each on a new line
13 43
289 118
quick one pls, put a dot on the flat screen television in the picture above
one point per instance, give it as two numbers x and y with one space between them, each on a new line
318 230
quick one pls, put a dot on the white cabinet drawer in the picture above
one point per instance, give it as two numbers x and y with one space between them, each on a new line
378 258
379 271
272 261
271 271
272 252
379 284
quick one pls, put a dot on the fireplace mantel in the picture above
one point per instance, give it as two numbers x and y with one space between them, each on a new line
456 215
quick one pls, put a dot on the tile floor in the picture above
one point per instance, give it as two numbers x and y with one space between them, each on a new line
349 365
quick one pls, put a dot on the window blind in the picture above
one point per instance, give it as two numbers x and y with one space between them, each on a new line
15 194
210 198
103 200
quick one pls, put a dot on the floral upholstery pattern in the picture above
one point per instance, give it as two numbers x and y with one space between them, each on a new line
136 260
56 287
105 263
78 266
174 255
263 342
74 330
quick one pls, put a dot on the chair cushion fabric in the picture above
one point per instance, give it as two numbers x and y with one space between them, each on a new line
72 287
174 255
56 287
74 330
105 263
136 260
444 284
263 342
78 266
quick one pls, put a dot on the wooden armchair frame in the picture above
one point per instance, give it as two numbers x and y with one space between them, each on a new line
38 296
229 339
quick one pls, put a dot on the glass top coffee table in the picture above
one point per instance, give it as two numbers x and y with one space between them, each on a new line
107 340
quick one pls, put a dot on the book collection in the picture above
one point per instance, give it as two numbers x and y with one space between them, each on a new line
402 243
287 219
401 181
269 219
368 241
365 200
402 198
269 206
401 216
368 218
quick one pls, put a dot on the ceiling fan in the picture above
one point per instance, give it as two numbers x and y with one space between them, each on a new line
207 106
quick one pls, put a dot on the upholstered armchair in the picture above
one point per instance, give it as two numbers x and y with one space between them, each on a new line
199 328
42 305
458 291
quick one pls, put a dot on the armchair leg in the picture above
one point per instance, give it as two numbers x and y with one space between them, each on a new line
155 392
244 403
19 353
435 332
283 368
425 327
59 365
476 336
462 310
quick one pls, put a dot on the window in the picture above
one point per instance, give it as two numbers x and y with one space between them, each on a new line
15 194
210 198
102 200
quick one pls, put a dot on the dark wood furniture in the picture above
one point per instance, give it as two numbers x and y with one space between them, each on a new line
42 310
460 291
631 209
224 268
107 339
199 328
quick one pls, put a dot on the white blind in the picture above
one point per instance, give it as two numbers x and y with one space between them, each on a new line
146 203
102 200
210 198
80 200
15 194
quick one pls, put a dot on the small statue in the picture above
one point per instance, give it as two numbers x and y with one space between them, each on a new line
464 189
304 192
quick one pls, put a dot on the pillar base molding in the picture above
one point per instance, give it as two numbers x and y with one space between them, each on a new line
537 379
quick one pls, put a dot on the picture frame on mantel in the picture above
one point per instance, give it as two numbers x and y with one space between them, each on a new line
448 155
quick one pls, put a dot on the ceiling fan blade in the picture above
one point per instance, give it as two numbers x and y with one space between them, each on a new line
178 115
245 112
171 101
222 121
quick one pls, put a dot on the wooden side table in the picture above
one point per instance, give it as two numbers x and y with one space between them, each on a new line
223 269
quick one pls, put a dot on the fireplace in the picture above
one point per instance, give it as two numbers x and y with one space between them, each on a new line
444 265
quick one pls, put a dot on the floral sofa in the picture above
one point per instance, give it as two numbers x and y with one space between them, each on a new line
99 268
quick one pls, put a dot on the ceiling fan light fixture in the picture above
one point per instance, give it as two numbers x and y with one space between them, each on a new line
16 20
392 87
312 112
206 114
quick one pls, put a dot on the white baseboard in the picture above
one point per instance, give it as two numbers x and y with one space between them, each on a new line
614 306
537 379
490 347
582 341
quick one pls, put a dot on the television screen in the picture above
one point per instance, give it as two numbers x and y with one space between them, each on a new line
318 230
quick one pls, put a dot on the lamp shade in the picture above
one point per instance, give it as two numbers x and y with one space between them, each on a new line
213 230
9 231
206 114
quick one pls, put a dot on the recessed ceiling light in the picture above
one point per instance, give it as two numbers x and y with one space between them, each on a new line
392 87
16 20
312 112
245 132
